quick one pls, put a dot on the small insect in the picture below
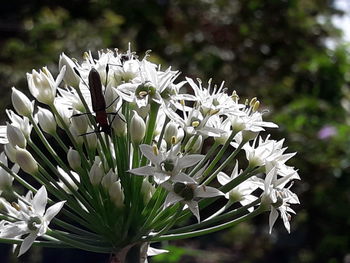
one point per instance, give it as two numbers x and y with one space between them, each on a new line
98 102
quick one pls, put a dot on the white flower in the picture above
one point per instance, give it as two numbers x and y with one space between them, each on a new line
213 100
278 198
43 86
188 191
31 219
167 165
70 78
270 153
243 192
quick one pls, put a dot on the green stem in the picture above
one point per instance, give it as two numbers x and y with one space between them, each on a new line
208 230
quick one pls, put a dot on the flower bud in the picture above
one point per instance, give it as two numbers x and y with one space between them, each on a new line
193 147
119 126
46 121
137 128
91 139
5 178
109 179
65 114
80 122
96 172
10 152
147 190
70 78
77 136
21 103
116 194
15 136
26 161
42 86
74 159
171 130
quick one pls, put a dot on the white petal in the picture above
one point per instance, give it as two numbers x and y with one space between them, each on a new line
147 151
223 178
40 200
144 170
182 178
189 160
155 251
207 191
27 243
52 211
272 218
60 76
171 199
193 206
160 178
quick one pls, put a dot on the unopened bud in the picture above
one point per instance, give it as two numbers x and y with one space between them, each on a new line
10 152
74 159
116 194
171 130
15 136
21 103
46 121
147 190
109 179
194 146
96 172
119 126
137 128
26 161
91 139
80 122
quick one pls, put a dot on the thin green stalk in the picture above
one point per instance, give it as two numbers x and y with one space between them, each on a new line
17 178
74 243
223 165
207 230
150 128
211 220
219 155
207 156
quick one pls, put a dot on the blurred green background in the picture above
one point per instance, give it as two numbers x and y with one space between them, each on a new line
285 52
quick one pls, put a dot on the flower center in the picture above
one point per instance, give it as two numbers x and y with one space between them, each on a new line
184 190
168 165
34 223
145 89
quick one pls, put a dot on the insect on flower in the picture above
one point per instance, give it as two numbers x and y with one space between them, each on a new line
98 102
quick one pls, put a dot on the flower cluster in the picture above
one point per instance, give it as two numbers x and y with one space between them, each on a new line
127 153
